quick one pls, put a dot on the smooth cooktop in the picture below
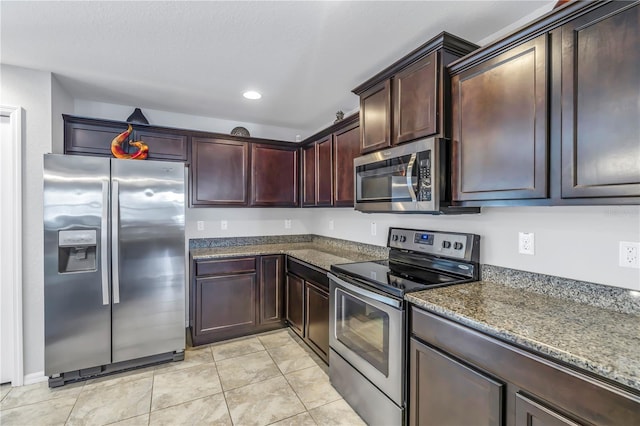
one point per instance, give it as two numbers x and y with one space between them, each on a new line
394 278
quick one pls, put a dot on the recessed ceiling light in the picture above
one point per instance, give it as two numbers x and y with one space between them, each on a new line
250 94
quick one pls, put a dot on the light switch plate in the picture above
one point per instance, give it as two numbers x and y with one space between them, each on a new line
224 225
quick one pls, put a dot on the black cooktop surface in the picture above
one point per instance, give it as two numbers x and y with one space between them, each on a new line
394 278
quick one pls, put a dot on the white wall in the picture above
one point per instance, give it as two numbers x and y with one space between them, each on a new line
85 108
31 90
61 103
575 242
247 222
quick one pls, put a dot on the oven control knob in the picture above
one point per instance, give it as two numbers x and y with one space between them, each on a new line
403 238
394 238
446 244
457 246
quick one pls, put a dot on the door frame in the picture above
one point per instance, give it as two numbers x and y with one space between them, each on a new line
13 229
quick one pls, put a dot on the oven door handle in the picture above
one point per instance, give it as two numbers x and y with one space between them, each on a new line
366 293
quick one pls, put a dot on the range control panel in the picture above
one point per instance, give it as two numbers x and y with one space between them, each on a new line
435 243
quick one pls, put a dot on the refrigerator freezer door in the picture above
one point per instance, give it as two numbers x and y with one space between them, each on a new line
148 316
76 264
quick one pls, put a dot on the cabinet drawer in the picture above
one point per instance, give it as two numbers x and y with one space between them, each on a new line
226 266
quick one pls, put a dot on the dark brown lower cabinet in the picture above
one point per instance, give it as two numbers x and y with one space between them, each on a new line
295 303
459 376
435 377
531 413
227 303
307 307
317 318
236 297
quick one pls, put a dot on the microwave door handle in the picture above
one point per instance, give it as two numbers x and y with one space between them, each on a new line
412 192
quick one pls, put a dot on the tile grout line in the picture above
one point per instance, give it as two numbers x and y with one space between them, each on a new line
74 404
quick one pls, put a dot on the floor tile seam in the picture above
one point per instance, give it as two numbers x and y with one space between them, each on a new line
37 402
72 408
290 417
153 382
175 370
252 383
151 410
296 393
236 356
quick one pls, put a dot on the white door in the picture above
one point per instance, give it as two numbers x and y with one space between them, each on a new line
10 247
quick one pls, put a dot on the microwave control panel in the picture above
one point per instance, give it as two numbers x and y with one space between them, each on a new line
424 177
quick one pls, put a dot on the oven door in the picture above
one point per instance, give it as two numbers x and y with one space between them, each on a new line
366 329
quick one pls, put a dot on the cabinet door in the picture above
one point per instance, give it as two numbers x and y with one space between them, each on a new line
271 284
225 303
346 147
163 146
309 175
295 303
375 116
324 176
415 100
445 392
601 104
274 176
530 413
317 319
219 172
91 139
500 126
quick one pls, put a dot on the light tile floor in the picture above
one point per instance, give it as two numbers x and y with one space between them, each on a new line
267 379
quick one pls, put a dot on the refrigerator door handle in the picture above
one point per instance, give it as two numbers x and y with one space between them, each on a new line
115 225
104 244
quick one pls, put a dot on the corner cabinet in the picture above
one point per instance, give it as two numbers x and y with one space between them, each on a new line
410 99
87 136
235 297
549 114
274 176
346 147
458 375
219 172
307 305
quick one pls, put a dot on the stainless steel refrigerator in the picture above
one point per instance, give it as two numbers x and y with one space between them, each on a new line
114 264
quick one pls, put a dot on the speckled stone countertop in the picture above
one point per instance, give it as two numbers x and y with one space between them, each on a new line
320 251
600 340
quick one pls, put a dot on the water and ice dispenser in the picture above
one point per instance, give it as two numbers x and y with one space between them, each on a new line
77 251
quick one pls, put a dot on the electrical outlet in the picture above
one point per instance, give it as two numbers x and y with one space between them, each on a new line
526 243
629 254
374 229
223 225
287 224
331 225
200 225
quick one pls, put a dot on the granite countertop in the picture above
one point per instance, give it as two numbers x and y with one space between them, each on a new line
600 340
320 255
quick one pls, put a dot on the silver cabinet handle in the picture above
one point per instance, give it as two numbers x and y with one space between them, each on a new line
115 225
412 193
104 244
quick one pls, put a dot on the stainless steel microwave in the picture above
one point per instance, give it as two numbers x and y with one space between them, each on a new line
410 178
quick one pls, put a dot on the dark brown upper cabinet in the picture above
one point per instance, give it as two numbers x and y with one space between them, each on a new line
415 100
274 175
375 117
500 126
219 172
87 136
601 104
317 173
548 115
346 147
410 99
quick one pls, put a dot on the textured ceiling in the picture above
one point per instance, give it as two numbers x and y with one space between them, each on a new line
198 57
